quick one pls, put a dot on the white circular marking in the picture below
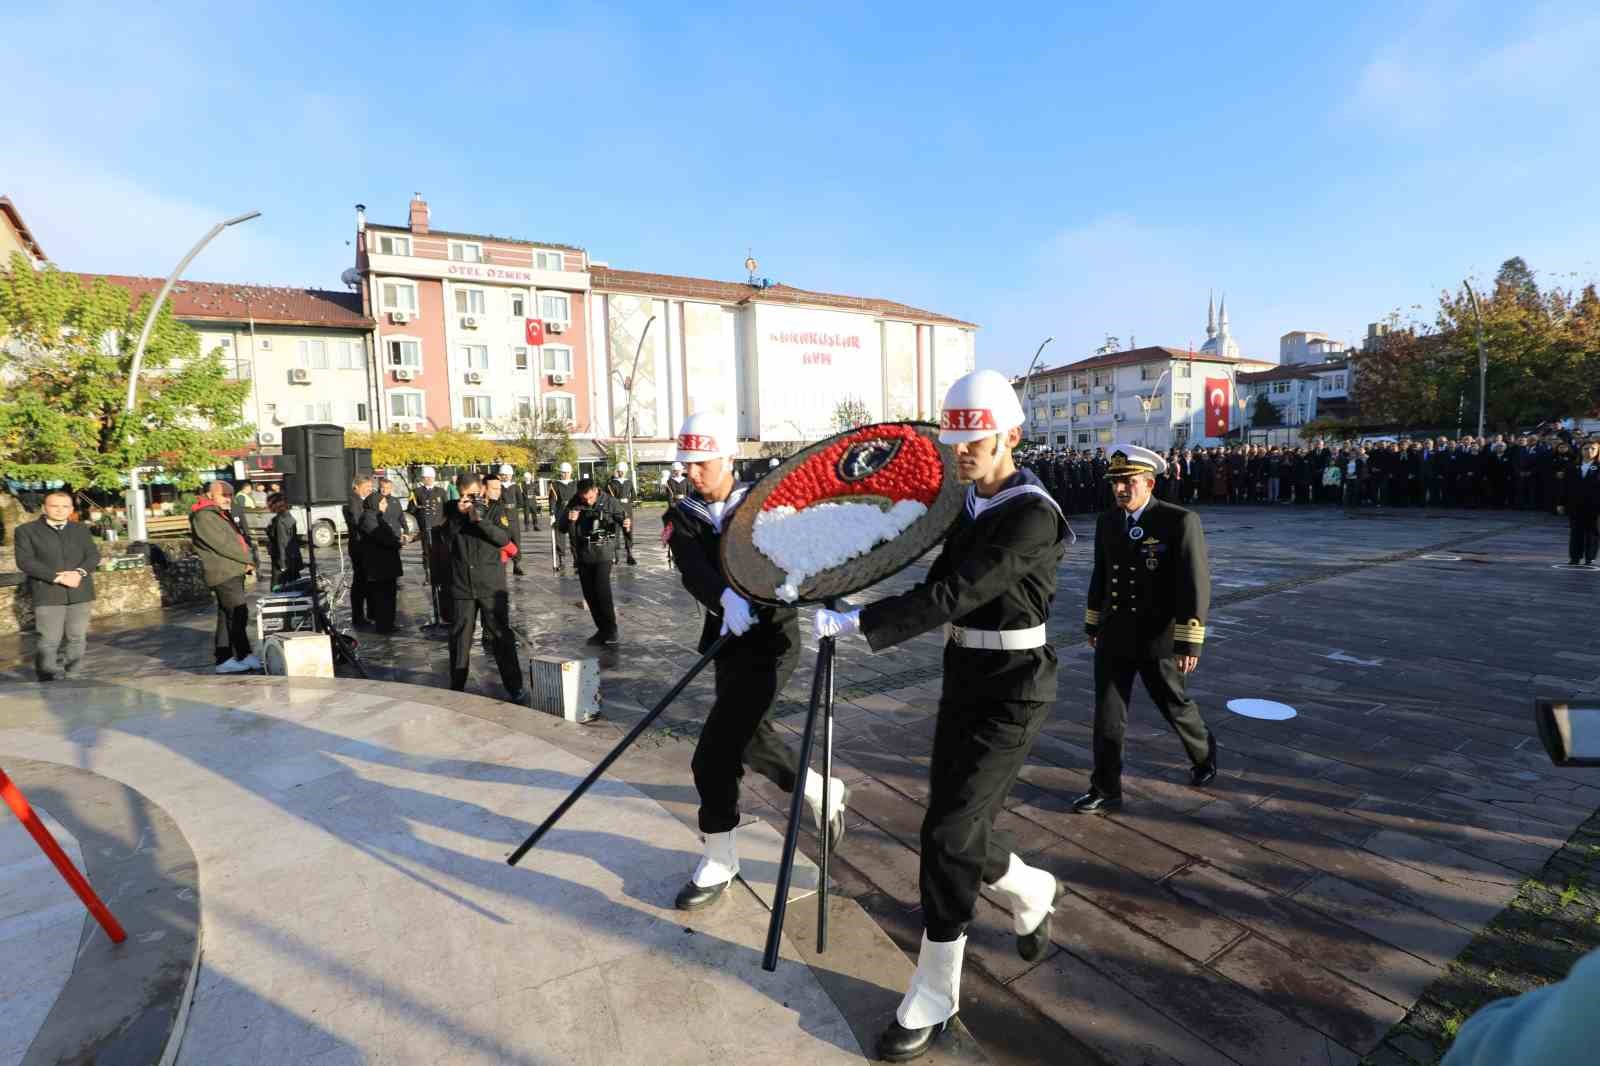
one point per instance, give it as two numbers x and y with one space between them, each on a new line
1266 709
1580 568
1440 557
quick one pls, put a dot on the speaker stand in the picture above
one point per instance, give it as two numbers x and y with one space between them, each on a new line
344 645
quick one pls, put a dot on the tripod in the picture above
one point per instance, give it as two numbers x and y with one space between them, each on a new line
344 645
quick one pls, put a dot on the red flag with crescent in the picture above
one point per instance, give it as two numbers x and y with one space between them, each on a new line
533 328
1218 403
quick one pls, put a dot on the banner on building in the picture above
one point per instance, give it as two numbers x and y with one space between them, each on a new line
534 328
1219 401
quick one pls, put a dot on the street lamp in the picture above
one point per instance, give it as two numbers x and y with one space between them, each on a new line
1027 384
1146 402
627 410
1483 356
135 498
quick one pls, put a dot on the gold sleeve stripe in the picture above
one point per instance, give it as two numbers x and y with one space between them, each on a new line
1189 633
1091 616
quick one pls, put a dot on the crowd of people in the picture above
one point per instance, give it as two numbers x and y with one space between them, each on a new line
1531 472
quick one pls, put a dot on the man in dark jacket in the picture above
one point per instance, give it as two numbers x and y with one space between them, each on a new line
224 564
283 541
380 560
593 521
477 583
1582 483
360 489
495 490
59 556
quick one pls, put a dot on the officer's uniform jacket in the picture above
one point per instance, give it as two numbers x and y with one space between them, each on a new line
695 537
429 506
1149 595
474 552
677 488
621 490
1582 493
996 571
561 493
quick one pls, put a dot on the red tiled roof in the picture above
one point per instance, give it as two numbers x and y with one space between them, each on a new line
1154 353
606 279
9 209
220 301
1292 372
474 237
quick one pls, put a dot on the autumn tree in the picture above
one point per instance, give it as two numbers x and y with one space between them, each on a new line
66 348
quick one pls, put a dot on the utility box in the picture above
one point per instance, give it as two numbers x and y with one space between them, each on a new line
279 612
567 688
298 655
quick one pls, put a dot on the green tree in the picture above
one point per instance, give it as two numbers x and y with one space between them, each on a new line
545 439
65 352
1266 413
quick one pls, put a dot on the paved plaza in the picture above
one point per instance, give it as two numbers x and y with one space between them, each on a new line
1291 913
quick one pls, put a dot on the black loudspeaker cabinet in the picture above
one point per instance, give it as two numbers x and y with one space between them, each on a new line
357 461
320 457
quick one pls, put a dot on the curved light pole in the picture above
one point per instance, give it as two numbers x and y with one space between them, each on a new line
627 410
1483 356
1146 401
1027 383
135 498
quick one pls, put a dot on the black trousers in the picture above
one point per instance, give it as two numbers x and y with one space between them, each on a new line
1583 536
232 637
1113 687
381 597
978 750
358 593
595 578
739 731
625 541
530 515
496 611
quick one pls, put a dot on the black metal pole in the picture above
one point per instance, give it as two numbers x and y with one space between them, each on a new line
780 897
627 741
827 787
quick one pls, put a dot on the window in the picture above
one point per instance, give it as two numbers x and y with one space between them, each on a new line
1333 383
319 412
1081 408
554 307
1099 378
404 353
518 305
549 261
1102 407
557 360
405 404
475 356
1056 384
1080 383
358 411
524 405
466 251
562 407
393 245
1280 388
1038 413
475 407
399 296
314 355
348 354
1180 401
1058 410
469 301
1158 402
1151 372
519 357
1182 371
1083 437
1061 438
1103 436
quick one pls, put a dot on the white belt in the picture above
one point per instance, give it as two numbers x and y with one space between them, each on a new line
997 639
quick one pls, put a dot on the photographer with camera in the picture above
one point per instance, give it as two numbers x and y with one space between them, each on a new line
476 582
592 521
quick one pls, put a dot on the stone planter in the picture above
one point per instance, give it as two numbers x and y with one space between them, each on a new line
172 579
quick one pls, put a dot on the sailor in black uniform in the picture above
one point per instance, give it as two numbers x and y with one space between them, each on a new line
751 669
620 489
1146 617
992 584
560 496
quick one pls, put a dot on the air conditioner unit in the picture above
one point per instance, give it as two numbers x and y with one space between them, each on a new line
404 427
268 436
299 376
555 327
1108 388
558 379
1119 417
265 344
474 378
472 427
469 321
399 318
404 374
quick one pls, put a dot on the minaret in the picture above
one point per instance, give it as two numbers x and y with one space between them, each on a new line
1211 317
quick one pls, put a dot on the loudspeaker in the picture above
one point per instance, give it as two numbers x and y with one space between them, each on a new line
358 461
320 461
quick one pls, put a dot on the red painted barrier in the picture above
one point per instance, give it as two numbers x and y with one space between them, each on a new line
47 844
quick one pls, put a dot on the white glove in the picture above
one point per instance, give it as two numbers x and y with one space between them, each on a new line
826 623
735 613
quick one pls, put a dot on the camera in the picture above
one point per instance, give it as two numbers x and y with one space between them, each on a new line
594 523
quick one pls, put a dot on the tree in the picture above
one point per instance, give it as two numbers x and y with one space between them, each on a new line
544 438
65 352
1266 413
443 448
849 413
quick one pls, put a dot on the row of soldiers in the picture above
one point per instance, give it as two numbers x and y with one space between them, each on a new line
1524 472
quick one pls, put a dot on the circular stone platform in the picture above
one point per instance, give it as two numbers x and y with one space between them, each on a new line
351 843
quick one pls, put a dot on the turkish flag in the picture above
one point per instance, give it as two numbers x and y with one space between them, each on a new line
1218 403
534 328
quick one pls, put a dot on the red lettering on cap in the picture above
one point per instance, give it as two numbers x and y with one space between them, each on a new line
960 418
695 442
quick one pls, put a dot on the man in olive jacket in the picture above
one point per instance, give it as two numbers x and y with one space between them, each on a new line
224 563
59 556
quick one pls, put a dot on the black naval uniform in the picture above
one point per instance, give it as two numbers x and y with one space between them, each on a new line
750 670
476 582
1148 599
997 571
510 497
380 560
530 504
621 490
561 493
428 506
283 545
358 575
1583 512
594 546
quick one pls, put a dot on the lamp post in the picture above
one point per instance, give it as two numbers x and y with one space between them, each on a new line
1146 402
627 415
1483 356
1027 383
135 498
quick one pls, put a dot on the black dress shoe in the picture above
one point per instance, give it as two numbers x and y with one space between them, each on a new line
611 641
1092 802
692 897
899 1044
519 696
1032 946
1206 772
596 640
632 561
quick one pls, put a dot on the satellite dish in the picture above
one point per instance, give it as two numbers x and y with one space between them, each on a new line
351 277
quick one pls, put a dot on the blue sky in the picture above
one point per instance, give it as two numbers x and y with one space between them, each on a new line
1039 170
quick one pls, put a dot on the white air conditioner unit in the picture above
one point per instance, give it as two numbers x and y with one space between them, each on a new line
1108 388
1119 417
469 321
399 318
265 344
474 378
404 374
404 427
472 427
268 436
558 379
299 376
555 327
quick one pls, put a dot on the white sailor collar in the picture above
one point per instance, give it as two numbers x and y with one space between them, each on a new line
697 505
1022 484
